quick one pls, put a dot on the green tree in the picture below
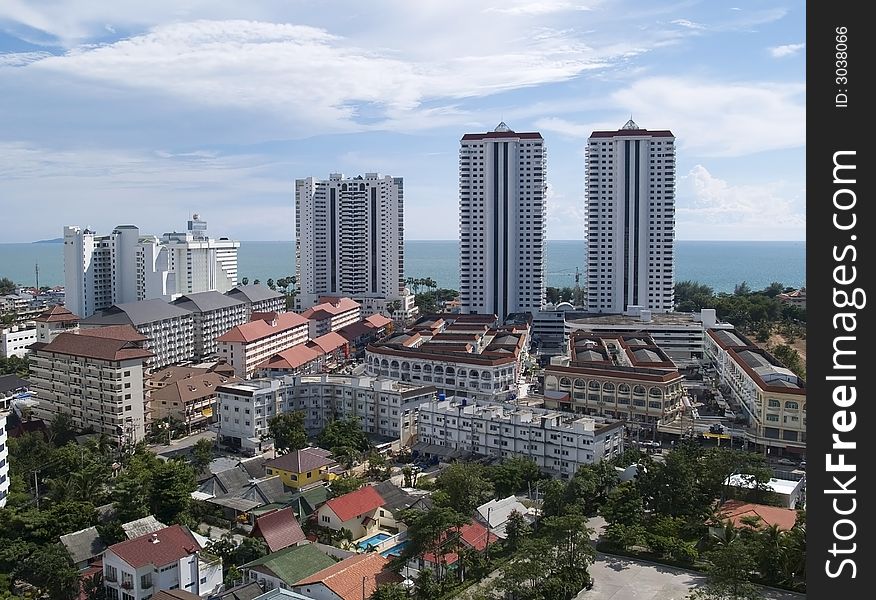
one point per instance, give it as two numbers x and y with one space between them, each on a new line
624 506
435 532
232 577
513 475
390 591
202 454
61 430
250 549
288 432
49 569
244 281
691 296
730 571
172 484
343 433
463 487
7 286
517 529
344 485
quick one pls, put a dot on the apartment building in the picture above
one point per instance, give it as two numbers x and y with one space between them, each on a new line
630 187
502 222
768 395
349 241
169 329
617 376
258 298
96 377
54 320
464 355
246 346
125 266
10 386
212 314
187 394
558 442
382 406
331 314
168 559
14 340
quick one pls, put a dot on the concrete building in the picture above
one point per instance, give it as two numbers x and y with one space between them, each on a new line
96 377
213 314
355 511
558 442
169 329
125 266
332 314
186 394
55 320
502 222
382 406
281 570
14 340
353 578
618 376
168 559
349 241
246 346
770 397
258 298
630 219
10 387
465 355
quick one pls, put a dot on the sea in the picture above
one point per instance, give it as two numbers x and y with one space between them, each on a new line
719 264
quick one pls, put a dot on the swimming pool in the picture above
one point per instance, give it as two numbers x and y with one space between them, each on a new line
395 550
373 540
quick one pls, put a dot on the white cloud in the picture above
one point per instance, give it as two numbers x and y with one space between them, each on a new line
539 8
688 24
21 59
786 50
708 207
563 127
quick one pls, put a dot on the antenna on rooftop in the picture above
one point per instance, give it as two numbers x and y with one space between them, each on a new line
36 268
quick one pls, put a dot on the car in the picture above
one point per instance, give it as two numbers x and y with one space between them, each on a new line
786 461
802 465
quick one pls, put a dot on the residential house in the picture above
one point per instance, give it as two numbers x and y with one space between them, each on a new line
353 578
495 513
187 395
245 591
140 527
241 497
396 500
279 529
471 535
85 547
356 511
170 558
300 468
736 512
284 568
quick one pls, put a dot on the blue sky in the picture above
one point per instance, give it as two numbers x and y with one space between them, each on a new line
142 112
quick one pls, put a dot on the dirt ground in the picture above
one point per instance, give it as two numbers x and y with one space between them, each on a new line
776 339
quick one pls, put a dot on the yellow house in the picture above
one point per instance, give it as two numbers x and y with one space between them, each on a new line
302 467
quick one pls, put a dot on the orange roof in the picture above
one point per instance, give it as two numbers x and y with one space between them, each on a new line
472 534
329 307
122 346
56 314
262 326
279 529
379 320
348 577
330 342
351 505
735 510
292 358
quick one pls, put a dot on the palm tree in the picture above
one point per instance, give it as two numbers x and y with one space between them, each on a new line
244 281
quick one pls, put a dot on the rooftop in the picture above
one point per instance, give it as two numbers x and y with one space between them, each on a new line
159 548
142 312
326 310
57 314
735 510
262 326
83 545
280 529
192 388
301 461
254 292
206 301
118 345
350 505
348 578
293 563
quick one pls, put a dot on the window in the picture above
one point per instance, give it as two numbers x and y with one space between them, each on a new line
325 519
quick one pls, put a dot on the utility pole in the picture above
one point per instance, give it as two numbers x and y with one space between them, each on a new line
577 287
37 271
36 488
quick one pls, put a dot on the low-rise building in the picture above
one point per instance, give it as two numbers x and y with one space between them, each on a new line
246 346
356 512
557 442
169 329
279 529
770 397
351 579
10 387
213 314
794 297
187 394
282 569
54 320
85 547
300 468
472 536
737 512
15 340
170 558
495 514
788 493
96 377
331 314
258 298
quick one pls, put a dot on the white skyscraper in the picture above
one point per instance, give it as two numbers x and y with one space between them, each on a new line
630 219
125 266
349 241
502 184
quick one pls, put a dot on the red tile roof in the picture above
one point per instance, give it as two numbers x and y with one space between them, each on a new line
378 320
354 331
56 314
355 503
279 529
329 307
114 332
472 534
330 342
501 134
734 510
100 347
301 461
173 543
632 132
345 578
292 358
261 327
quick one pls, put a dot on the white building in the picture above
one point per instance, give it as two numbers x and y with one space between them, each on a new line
167 559
10 386
55 320
332 314
125 266
246 346
502 185
96 377
170 329
15 340
558 442
258 298
630 219
349 241
213 314
382 406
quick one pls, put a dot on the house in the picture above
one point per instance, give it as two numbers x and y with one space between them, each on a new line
169 558
356 511
187 395
175 595
308 500
284 568
140 527
303 467
734 511
787 492
84 547
471 535
245 591
395 500
494 514
241 497
353 578
279 529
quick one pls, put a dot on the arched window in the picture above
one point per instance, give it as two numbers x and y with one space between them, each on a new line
450 371
406 366
565 382
593 385
623 389
579 383
393 364
427 368
439 370
655 392
608 388
384 363
791 405
639 390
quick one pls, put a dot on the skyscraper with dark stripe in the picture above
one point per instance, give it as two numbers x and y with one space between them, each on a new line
502 185
630 235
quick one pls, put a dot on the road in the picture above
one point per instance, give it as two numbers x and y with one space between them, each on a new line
182 444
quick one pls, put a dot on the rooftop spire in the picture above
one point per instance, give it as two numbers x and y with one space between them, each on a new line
630 124
502 127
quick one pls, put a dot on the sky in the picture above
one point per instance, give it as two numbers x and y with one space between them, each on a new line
132 112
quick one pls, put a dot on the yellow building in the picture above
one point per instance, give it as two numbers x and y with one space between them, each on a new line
302 467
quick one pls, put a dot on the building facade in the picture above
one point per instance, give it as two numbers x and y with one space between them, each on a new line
558 442
94 376
332 314
258 298
212 315
502 222
125 266
630 219
246 346
349 241
15 340
187 394
55 320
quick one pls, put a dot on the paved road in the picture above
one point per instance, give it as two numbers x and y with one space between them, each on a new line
182 444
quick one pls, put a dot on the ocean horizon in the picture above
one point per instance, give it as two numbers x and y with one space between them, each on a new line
719 264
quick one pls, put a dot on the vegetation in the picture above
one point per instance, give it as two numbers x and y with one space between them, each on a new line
202 454
345 439
7 286
556 295
13 365
430 301
288 432
345 485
